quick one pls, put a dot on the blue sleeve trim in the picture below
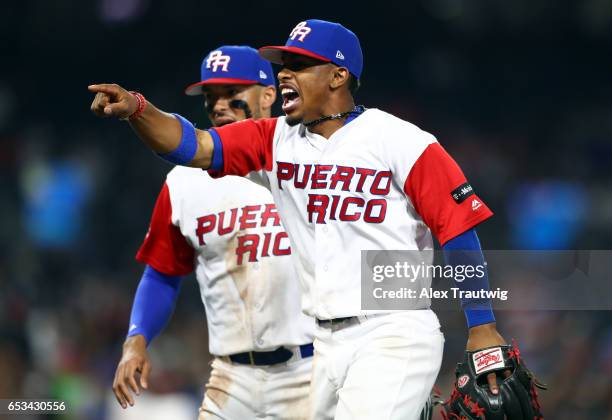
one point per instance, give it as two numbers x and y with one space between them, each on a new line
217 158
464 250
153 303
187 148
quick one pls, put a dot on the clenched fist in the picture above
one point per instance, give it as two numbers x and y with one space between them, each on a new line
112 101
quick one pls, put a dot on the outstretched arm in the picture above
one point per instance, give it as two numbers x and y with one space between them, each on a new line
161 132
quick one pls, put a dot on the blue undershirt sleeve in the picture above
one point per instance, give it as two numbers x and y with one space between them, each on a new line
477 311
153 303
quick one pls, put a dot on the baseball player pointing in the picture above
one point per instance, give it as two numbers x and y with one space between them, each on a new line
228 231
345 179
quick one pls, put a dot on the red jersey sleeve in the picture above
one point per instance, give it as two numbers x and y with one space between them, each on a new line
442 196
164 247
247 146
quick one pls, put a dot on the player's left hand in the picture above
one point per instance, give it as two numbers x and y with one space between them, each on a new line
134 361
471 398
483 336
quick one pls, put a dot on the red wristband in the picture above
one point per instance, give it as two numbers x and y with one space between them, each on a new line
142 104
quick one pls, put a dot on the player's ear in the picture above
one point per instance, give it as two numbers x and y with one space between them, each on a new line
267 98
340 77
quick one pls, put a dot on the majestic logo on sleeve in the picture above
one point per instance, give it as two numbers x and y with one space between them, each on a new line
462 192
367 190
250 245
300 32
216 59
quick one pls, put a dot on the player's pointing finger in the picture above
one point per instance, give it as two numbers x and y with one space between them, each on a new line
113 101
110 89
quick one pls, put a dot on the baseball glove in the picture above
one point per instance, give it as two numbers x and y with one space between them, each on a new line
471 400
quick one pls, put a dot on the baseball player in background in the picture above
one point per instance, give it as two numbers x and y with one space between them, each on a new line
229 232
345 179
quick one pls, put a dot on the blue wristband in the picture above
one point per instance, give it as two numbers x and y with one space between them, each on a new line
217 158
477 311
479 314
186 150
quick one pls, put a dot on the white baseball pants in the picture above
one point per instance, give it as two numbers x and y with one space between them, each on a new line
240 392
382 368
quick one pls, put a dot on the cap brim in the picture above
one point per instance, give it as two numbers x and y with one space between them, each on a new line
196 88
274 54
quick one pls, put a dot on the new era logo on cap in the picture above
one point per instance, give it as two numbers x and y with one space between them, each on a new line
233 65
322 40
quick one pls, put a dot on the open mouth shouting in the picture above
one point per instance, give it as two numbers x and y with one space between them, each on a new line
291 98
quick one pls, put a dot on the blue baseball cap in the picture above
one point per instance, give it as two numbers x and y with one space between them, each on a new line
325 41
233 65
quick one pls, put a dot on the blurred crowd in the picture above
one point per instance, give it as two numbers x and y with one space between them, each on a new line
517 91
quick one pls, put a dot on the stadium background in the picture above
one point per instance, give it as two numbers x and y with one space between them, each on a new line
518 91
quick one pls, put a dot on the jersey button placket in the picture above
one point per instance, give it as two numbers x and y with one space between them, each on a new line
324 243
323 250
319 267
321 241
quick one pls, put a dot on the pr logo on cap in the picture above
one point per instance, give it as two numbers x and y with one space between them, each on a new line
216 59
300 31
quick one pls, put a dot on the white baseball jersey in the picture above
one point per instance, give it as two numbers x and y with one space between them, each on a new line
229 230
378 183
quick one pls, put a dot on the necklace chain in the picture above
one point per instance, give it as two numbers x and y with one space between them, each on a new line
358 109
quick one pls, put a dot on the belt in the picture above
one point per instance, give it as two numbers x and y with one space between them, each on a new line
268 358
336 324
